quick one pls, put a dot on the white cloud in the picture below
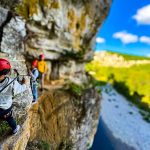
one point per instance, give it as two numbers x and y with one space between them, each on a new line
125 37
145 39
100 40
143 15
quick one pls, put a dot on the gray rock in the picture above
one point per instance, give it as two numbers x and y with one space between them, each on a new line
13 34
3 15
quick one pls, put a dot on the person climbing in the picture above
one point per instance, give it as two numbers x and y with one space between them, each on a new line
34 73
9 87
42 67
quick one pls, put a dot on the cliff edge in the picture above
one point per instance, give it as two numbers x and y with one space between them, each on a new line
67 112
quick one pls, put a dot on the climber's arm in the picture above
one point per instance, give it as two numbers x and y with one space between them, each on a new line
19 88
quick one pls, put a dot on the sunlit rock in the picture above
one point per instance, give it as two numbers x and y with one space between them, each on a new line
66 115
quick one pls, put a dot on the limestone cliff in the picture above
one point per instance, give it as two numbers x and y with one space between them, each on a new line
66 115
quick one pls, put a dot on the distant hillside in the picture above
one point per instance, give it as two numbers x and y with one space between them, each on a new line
119 60
129 57
130 75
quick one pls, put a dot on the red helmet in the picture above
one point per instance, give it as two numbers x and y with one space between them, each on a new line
35 63
41 56
4 64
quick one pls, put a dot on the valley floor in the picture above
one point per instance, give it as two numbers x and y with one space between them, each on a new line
124 120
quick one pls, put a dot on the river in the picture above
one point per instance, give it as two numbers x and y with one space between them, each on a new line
121 126
104 140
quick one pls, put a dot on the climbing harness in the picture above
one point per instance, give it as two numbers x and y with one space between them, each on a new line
9 114
6 113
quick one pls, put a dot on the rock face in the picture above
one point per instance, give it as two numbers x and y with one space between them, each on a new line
64 121
62 27
66 116
12 32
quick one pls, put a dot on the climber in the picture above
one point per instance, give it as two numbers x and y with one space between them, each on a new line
8 88
34 73
42 67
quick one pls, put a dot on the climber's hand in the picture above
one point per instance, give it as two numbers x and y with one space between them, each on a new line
29 72
16 71
24 81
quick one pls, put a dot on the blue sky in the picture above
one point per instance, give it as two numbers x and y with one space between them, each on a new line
127 28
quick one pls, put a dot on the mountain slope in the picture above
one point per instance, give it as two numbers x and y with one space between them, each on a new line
130 77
